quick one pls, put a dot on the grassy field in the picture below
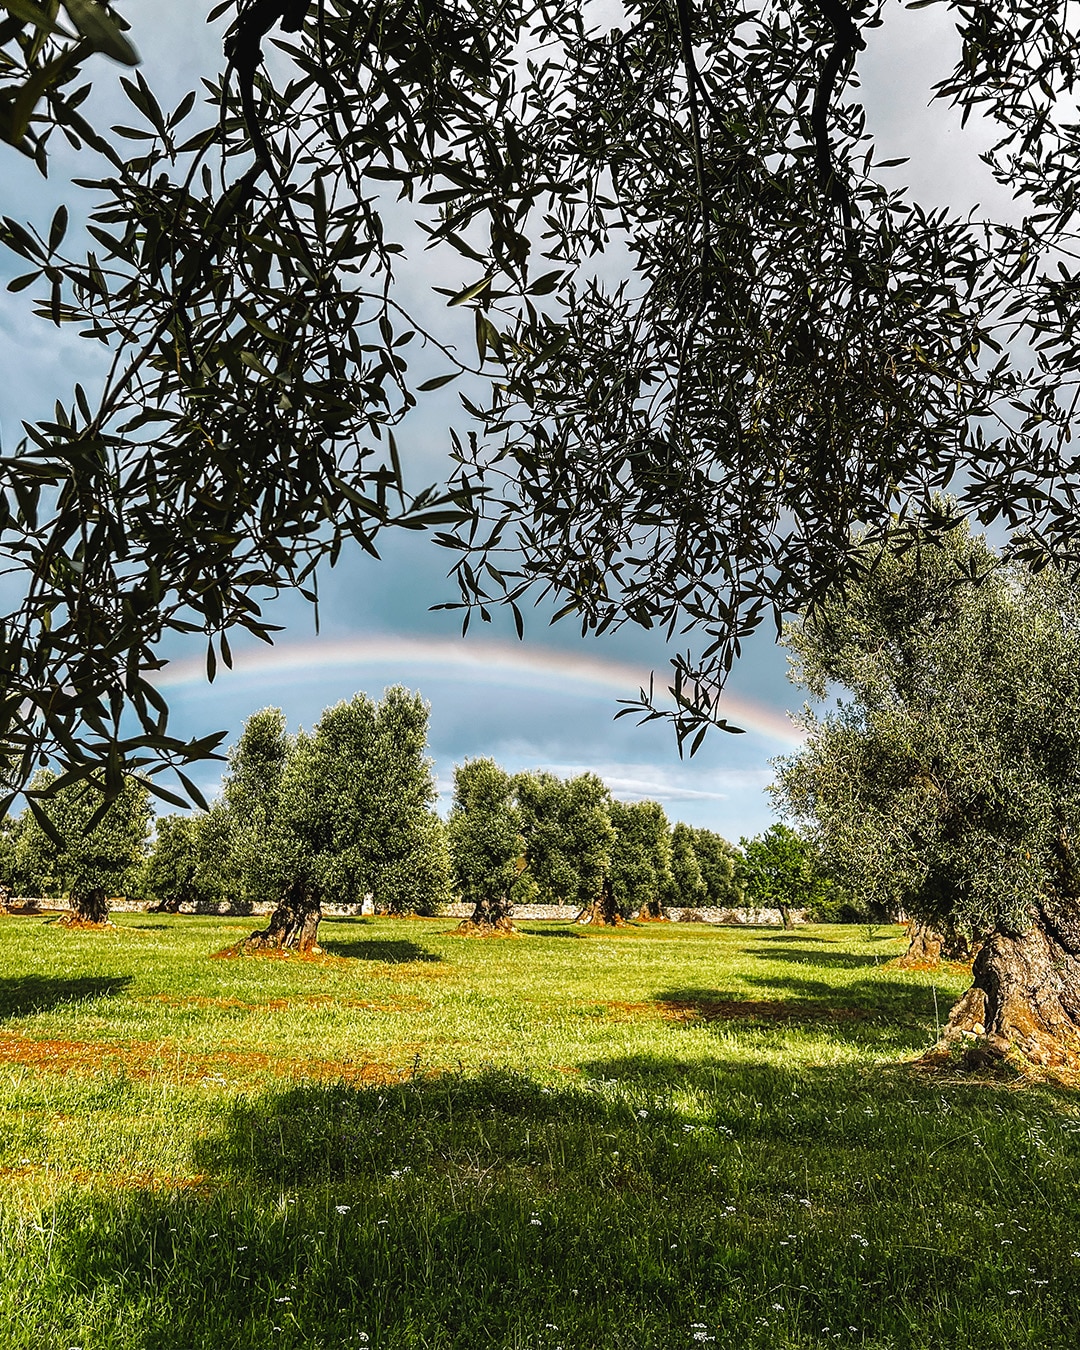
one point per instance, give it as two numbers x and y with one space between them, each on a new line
648 1139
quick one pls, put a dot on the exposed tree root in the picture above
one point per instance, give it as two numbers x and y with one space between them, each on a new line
1023 1006
927 948
501 928
76 922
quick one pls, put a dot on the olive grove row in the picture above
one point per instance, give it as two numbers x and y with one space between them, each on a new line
345 815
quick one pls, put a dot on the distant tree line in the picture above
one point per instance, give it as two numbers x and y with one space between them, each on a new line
533 837
345 815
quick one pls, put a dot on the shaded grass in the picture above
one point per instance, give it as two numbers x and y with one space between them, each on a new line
643 1139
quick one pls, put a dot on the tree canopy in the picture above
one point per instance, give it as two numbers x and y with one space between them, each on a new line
709 336
86 848
947 782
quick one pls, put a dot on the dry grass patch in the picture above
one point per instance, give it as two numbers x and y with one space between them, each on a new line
149 1059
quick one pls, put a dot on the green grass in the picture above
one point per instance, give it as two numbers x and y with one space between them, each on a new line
638 1139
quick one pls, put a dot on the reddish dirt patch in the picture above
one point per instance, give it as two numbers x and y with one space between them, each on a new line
75 924
240 951
284 1004
144 1059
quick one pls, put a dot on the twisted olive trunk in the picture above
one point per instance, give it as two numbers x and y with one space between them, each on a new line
294 924
603 909
90 906
929 947
490 914
1025 992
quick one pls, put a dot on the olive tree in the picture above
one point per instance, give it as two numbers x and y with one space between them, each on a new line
568 837
178 870
640 859
350 815
709 335
687 883
486 843
87 847
721 870
948 779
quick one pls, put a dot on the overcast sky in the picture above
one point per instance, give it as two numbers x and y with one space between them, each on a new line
549 701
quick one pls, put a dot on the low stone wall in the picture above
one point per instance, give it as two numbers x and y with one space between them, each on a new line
565 913
556 913
771 918
702 914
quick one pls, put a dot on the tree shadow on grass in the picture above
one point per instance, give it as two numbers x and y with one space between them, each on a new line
882 1000
21 995
814 956
313 1132
795 937
475 1206
393 951
882 1015
553 933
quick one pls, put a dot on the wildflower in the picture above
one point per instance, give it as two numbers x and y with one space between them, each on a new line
536 1222
343 1209
283 1300
642 1114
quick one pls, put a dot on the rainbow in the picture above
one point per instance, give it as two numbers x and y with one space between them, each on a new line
487 661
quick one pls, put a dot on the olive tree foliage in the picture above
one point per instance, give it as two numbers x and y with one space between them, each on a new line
687 882
241 821
947 781
708 336
9 867
88 853
178 870
486 843
568 835
641 877
720 865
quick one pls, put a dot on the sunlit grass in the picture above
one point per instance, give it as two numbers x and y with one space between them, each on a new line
643 1138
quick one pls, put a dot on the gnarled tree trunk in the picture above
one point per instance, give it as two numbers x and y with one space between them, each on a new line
603 909
1025 993
88 907
170 905
490 915
294 925
929 947
785 916
651 909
